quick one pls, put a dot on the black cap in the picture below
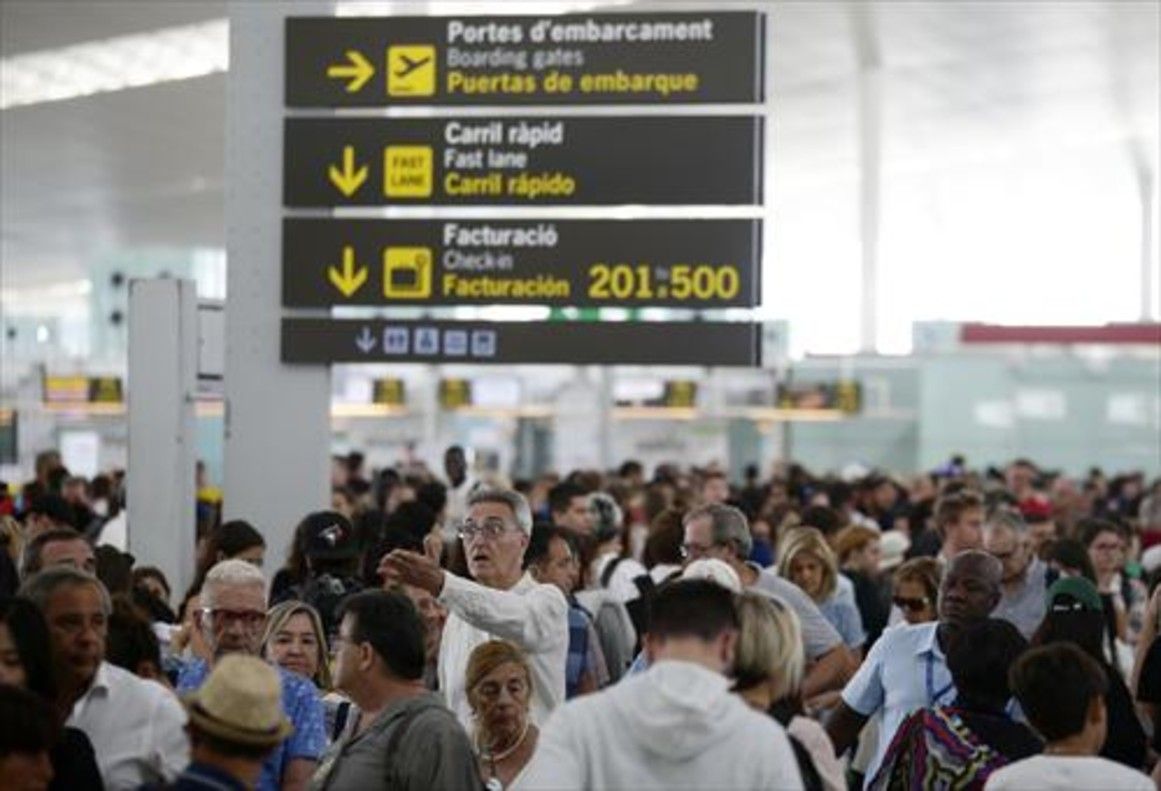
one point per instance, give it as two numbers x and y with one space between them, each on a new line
329 536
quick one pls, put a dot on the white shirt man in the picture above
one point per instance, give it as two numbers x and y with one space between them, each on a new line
505 603
137 727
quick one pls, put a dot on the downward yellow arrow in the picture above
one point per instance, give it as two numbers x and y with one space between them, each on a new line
349 279
350 178
358 69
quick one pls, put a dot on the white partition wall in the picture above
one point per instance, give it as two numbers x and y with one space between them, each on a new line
163 344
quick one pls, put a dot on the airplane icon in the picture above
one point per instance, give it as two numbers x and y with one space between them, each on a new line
411 70
410 65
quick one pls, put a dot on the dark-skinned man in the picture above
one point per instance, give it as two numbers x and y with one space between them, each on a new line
907 669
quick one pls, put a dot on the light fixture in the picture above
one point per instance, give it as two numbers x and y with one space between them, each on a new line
114 64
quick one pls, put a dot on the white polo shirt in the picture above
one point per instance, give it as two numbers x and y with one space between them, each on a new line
531 615
137 728
904 671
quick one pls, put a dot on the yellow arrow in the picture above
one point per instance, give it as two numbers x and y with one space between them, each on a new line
349 279
358 70
350 178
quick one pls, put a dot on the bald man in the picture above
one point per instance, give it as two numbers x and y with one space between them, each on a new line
907 668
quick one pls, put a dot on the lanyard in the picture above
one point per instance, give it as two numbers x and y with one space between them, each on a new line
933 696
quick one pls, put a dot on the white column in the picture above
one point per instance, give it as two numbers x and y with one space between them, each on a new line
1148 189
163 355
277 417
870 156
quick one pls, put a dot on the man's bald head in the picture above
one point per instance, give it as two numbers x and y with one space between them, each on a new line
971 588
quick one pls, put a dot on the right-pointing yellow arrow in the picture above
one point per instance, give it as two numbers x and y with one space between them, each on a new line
350 278
350 178
357 69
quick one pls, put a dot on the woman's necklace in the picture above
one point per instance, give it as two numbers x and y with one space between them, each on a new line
494 783
496 758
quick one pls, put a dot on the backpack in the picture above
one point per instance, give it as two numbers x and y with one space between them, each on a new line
639 607
325 593
614 629
934 750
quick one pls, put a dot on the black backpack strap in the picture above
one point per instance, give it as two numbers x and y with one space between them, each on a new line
609 570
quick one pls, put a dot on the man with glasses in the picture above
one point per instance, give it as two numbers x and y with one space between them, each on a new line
1026 577
231 619
722 532
504 602
401 735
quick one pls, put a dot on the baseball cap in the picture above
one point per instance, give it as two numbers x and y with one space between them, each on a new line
328 535
1077 588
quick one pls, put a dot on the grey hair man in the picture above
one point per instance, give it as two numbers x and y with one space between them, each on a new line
502 602
231 618
1025 580
722 532
136 726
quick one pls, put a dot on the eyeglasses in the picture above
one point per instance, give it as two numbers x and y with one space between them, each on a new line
250 619
914 605
489 529
691 550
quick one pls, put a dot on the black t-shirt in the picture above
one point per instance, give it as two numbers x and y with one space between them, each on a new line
1149 688
1126 740
74 764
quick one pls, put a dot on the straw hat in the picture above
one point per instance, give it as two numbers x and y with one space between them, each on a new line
241 702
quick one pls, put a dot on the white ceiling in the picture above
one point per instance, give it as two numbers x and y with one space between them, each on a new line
961 82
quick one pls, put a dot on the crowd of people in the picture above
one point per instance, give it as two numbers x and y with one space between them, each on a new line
962 628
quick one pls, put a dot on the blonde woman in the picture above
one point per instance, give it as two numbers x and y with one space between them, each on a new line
806 559
294 640
769 663
499 685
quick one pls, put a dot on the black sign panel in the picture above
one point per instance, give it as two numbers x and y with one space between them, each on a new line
578 343
687 160
577 59
682 263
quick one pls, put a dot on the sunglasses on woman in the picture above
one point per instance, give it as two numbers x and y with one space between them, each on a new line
914 605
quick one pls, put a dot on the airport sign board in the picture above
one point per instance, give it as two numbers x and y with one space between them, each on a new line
678 263
325 341
523 161
578 59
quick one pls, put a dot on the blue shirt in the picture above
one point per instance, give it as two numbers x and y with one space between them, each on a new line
905 670
845 618
302 706
576 661
201 777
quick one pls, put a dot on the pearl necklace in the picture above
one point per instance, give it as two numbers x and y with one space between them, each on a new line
498 757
